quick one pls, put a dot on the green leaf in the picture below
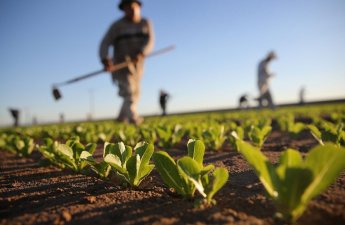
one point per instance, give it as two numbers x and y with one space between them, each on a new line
290 158
316 133
189 166
205 170
326 163
196 150
66 155
167 168
217 181
91 147
115 162
86 156
132 166
66 151
293 183
145 171
103 169
145 152
262 167
190 171
108 148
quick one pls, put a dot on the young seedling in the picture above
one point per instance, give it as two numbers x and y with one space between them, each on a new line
101 168
66 155
287 123
258 135
188 173
129 135
214 137
293 182
329 133
237 133
132 169
23 146
169 135
148 134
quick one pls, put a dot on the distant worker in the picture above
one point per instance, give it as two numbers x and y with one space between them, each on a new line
301 95
132 38
264 76
163 98
62 118
243 101
15 115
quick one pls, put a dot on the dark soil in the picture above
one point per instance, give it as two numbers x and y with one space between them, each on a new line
34 194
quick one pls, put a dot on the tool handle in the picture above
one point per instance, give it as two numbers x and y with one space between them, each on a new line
115 67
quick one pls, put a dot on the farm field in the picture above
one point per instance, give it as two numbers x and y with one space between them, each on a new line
33 191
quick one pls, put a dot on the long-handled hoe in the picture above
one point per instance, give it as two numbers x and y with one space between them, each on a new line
57 94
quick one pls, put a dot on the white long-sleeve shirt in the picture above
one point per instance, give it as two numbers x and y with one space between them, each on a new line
263 76
127 39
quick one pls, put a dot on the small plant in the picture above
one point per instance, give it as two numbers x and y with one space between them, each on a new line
188 173
258 134
129 135
169 135
293 182
148 134
101 168
287 123
214 137
21 145
329 133
66 155
132 169
237 133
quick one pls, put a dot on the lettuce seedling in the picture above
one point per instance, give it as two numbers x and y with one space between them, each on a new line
214 137
50 151
101 168
66 155
148 134
77 148
169 135
287 123
23 146
129 135
237 133
293 182
258 134
329 133
132 169
188 173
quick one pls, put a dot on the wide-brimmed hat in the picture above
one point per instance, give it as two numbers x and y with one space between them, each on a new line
124 2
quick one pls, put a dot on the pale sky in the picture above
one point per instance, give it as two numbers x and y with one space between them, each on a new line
218 46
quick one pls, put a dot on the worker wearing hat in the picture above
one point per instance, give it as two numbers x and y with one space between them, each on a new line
132 39
263 80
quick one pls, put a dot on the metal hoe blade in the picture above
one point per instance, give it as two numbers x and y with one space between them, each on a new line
56 93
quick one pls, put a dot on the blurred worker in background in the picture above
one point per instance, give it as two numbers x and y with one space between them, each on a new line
163 98
243 101
131 38
15 115
264 76
301 95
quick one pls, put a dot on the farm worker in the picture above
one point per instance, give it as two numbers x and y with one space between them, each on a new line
132 39
243 101
15 115
263 80
301 95
163 98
